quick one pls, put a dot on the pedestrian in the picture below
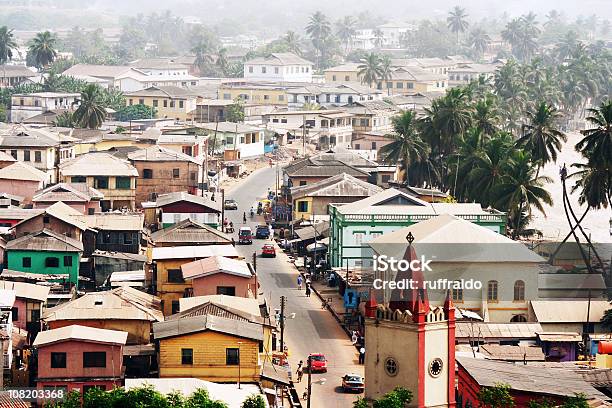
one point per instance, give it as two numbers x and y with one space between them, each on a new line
354 337
307 290
300 373
271 232
233 242
244 218
299 282
362 355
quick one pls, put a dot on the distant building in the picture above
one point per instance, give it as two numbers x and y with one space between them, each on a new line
173 208
168 101
11 75
238 140
332 95
79 196
22 180
186 233
279 67
463 74
218 275
25 106
30 301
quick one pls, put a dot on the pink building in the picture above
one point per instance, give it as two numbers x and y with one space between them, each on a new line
80 357
78 196
219 275
29 303
22 180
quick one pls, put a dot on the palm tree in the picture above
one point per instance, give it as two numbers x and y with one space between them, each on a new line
479 40
386 69
552 18
7 45
407 147
379 38
90 113
520 190
596 145
346 31
203 54
486 116
42 49
370 70
293 42
490 165
565 47
541 136
222 61
457 21
318 29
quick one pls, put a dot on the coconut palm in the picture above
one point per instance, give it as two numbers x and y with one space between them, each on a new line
566 45
457 21
479 41
203 54
293 42
42 49
406 147
222 61
521 190
596 145
7 44
370 70
490 164
552 18
318 29
541 136
91 112
345 30
386 68
486 116
379 38
594 183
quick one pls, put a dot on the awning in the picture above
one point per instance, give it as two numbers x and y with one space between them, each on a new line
139 350
275 373
560 337
316 247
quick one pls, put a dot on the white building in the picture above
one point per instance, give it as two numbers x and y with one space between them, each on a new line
25 106
332 95
394 32
279 67
238 141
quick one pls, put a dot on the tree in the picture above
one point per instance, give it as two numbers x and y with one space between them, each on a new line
345 30
370 70
479 41
606 320
319 29
577 401
222 61
135 112
7 45
42 49
64 119
406 147
386 71
293 42
235 111
203 55
398 398
254 401
379 38
91 112
497 396
457 21
541 136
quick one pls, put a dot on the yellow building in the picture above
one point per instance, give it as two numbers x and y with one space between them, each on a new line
261 94
169 102
112 176
343 73
410 80
211 343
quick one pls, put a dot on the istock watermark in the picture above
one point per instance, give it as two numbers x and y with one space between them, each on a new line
438 284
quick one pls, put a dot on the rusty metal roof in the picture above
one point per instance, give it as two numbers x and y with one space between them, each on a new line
341 185
45 240
189 231
195 324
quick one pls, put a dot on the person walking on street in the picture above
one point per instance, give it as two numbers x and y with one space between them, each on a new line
300 371
244 218
362 355
299 282
307 290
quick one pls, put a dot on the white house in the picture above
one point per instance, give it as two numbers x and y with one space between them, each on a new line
332 95
25 106
238 140
279 67
393 32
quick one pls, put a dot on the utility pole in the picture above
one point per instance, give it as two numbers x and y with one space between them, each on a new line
283 300
304 135
309 390
255 261
222 208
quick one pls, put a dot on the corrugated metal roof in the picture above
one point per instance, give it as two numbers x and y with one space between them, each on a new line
279 58
568 310
26 290
341 185
67 192
195 252
76 332
114 221
45 240
188 325
214 265
120 255
528 378
249 306
320 229
171 198
486 331
571 281
160 154
188 231
22 171
97 164
512 353
560 336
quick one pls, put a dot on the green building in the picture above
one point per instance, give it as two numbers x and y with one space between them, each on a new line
354 225
45 252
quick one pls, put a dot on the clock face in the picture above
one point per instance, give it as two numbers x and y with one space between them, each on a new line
391 366
435 367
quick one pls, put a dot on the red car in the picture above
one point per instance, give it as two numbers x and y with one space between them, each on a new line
268 250
318 363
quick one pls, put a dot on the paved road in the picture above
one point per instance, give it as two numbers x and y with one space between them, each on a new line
313 329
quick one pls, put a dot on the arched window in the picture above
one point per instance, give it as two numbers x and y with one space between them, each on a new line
457 295
519 290
492 291
518 319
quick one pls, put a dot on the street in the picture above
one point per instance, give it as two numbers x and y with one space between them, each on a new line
313 330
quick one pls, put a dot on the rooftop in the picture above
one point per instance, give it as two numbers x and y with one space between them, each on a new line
67 192
341 185
160 154
173 92
248 306
194 252
22 171
194 324
188 231
26 290
229 127
62 212
114 221
97 164
45 240
569 310
216 264
279 58
83 333
171 198
15 71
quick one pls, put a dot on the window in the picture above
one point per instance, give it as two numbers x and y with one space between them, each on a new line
358 237
276 70
175 307
519 290
58 360
127 238
172 104
175 276
78 179
26 262
274 120
373 145
283 120
147 173
333 78
281 98
232 356
155 103
302 206
266 97
14 154
165 103
46 219
251 69
410 85
492 287
391 367
176 173
131 102
187 356
26 155
226 290
457 295
227 96
101 182
181 104
37 156
141 101
94 359
52 262
67 260
347 78
263 70
193 175
15 314
303 182
399 85
122 183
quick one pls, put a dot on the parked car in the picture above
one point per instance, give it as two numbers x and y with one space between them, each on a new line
262 232
245 235
353 382
268 250
230 204
318 363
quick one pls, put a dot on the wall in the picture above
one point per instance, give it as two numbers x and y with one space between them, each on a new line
264 96
209 357
58 226
167 111
168 291
162 181
117 198
340 77
38 263
287 73
74 360
139 331
81 207
23 188
245 287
